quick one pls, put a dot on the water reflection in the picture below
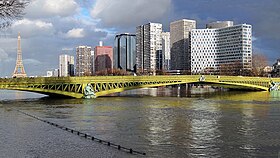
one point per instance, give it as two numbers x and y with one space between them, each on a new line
17 95
167 126
201 122
159 127
275 95
247 129
204 130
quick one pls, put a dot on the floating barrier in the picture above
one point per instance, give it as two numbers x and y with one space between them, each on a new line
86 136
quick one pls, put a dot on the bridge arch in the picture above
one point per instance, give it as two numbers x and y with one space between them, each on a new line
104 85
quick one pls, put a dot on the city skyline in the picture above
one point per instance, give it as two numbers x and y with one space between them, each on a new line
47 29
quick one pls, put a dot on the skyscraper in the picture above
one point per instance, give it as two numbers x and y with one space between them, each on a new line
223 46
179 38
125 52
148 46
66 65
166 50
103 58
84 65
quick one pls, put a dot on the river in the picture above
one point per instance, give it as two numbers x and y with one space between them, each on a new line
164 122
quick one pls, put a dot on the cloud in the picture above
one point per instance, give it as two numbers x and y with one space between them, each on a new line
50 8
266 18
3 55
31 62
51 25
127 13
254 38
29 28
75 33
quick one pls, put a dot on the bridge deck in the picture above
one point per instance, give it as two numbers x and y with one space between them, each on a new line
103 85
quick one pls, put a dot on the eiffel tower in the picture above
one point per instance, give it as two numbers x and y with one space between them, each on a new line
19 69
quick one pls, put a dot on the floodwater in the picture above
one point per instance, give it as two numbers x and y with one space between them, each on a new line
164 122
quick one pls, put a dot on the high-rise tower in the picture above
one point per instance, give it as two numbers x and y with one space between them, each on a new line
84 61
66 65
166 50
19 69
179 40
149 47
125 52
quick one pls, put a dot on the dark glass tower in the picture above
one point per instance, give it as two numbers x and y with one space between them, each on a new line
125 52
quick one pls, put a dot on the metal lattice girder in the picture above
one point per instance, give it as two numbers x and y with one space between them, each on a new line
103 85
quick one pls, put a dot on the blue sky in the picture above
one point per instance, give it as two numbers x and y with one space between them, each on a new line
54 27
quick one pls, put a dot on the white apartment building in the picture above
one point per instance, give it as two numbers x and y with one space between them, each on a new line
66 65
203 50
166 50
148 46
223 45
84 61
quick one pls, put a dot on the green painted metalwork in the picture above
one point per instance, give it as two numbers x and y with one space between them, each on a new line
104 85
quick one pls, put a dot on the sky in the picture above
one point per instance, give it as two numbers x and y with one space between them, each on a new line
54 27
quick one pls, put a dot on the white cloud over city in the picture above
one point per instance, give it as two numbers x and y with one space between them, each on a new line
51 8
29 28
3 55
127 13
75 33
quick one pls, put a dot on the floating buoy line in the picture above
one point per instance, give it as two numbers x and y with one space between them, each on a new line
84 135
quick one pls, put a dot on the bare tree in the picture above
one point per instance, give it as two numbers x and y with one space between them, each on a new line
11 10
259 62
231 69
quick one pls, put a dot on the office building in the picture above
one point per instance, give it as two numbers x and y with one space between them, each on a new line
203 50
84 65
148 47
221 47
56 73
166 50
103 58
179 39
53 73
66 65
125 52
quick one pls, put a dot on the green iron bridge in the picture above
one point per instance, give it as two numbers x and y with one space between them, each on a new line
76 87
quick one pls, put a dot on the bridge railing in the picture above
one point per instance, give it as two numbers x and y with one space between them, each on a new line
133 78
21 82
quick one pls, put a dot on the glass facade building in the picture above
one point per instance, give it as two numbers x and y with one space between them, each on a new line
125 52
